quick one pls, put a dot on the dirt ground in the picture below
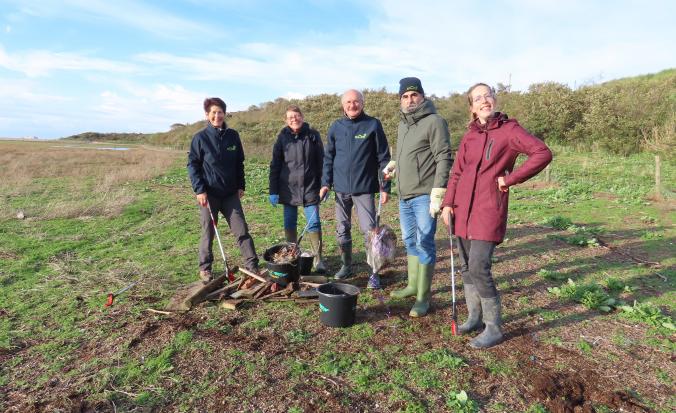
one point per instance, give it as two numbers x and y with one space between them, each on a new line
552 372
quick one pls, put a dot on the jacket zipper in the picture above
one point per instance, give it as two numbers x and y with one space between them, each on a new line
488 151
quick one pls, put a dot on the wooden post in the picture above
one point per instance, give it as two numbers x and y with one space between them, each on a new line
548 173
658 179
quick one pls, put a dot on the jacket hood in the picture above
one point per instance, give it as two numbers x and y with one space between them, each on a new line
494 122
425 109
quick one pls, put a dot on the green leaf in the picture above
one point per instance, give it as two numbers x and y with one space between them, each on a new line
462 397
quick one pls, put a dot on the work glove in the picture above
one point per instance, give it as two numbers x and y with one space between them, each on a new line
389 172
274 199
436 196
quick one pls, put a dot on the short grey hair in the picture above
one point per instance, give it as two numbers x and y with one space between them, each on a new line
361 95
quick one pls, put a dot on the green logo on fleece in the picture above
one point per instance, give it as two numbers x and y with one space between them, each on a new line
231 148
362 136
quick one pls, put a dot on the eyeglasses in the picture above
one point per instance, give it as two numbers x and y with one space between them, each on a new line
293 117
481 98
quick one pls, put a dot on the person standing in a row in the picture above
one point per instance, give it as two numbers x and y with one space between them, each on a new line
423 160
476 201
216 169
295 178
356 152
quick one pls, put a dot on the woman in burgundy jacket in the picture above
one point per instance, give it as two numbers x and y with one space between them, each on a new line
476 201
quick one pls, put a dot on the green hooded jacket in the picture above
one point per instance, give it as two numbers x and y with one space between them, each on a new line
424 156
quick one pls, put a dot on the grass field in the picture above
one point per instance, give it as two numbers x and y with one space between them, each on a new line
587 276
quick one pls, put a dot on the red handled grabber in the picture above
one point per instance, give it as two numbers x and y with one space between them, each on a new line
231 274
454 316
111 297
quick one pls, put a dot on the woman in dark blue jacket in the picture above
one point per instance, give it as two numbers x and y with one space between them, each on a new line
295 178
216 168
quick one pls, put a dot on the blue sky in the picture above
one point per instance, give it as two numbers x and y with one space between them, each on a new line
73 66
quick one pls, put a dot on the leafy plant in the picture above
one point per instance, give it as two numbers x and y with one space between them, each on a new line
584 346
557 222
551 275
649 314
591 296
461 403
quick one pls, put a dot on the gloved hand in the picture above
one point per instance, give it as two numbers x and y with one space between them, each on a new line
436 196
274 199
389 172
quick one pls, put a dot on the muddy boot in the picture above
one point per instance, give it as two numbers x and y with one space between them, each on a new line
422 301
318 265
473 308
492 334
206 276
290 234
346 260
412 288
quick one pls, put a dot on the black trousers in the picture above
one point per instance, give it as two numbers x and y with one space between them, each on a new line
231 208
475 265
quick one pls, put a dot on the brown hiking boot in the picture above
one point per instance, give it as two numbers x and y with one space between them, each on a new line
206 276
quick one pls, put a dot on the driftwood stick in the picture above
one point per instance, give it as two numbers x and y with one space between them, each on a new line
313 285
276 293
262 289
152 310
253 275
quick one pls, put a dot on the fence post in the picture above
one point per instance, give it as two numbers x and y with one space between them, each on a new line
658 179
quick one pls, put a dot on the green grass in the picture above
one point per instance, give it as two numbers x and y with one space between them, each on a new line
55 274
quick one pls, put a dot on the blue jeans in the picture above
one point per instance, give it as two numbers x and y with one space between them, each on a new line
418 228
311 214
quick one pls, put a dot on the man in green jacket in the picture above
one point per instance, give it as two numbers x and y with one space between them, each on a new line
422 163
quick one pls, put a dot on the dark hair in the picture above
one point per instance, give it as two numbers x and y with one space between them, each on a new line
293 108
209 102
472 116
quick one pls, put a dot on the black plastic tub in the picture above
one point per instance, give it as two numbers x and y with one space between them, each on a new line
281 273
337 304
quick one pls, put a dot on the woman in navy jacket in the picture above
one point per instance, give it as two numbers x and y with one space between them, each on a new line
476 200
216 168
295 179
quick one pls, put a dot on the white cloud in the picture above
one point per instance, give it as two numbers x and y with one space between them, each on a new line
37 63
8 28
129 13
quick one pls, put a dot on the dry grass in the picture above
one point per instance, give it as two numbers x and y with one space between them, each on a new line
56 179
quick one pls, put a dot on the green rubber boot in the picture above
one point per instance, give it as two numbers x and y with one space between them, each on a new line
473 301
346 260
316 243
412 288
492 334
422 302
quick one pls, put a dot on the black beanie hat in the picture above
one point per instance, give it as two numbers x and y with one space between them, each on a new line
410 83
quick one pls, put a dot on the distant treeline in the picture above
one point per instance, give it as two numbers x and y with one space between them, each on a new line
622 116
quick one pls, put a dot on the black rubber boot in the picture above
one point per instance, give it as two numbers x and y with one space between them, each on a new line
291 234
473 301
492 334
346 260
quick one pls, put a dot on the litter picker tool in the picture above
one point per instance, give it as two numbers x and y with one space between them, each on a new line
454 315
231 275
307 225
111 297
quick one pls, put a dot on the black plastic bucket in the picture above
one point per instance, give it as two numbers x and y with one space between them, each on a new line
285 272
337 304
305 263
